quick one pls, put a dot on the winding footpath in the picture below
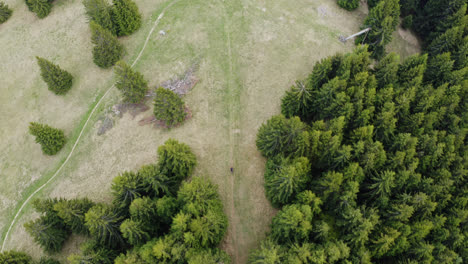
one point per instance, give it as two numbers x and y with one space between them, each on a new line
82 129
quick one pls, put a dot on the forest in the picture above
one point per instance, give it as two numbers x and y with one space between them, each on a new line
367 162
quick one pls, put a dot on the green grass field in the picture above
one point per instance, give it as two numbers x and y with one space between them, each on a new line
248 51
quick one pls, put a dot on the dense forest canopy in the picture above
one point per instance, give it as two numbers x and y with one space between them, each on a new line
368 163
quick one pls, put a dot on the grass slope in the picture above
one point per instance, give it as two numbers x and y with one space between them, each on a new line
249 53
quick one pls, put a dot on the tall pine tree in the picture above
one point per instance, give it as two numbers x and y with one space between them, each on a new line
126 17
131 83
59 81
107 49
51 139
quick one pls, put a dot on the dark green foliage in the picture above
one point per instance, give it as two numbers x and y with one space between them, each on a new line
58 81
5 12
15 257
107 50
51 139
383 20
100 12
292 224
103 222
286 179
126 17
131 83
176 160
49 230
73 213
372 3
93 252
127 187
387 152
156 182
348 4
42 8
169 107
281 135
407 22
134 232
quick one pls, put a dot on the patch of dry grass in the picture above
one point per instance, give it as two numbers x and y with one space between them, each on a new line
249 52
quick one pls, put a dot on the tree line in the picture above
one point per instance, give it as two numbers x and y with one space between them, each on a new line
368 162
156 216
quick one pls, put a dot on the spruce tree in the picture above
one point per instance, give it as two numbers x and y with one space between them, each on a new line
134 232
59 81
107 49
51 139
131 83
176 160
42 8
383 20
15 257
5 12
103 223
100 11
348 4
126 17
169 107
73 212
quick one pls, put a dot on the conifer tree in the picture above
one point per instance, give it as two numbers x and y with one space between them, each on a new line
348 4
15 257
127 187
107 49
103 223
42 8
131 83
58 81
383 20
73 213
287 180
126 17
100 11
176 160
439 69
5 12
281 135
169 107
49 234
51 139
134 232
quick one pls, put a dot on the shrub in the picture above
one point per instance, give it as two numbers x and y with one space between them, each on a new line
131 83
42 8
126 17
407 22
51 139
100 12
107 49
5 12
169 107
58 80
348 4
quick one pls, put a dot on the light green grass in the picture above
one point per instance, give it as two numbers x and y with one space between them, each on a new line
247 59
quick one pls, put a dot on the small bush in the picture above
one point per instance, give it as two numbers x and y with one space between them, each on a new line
169 107
107 49
51 139
58 80
5 12
407 22
42 8
348 4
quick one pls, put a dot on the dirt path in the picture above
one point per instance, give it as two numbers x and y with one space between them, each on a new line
82 129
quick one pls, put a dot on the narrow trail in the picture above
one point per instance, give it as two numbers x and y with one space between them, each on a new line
234 143
82 129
